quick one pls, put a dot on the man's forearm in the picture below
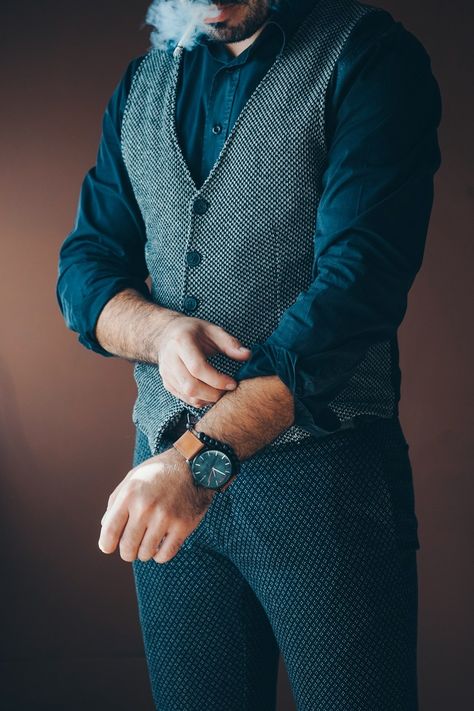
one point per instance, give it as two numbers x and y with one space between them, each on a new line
130 326
248 418
251 416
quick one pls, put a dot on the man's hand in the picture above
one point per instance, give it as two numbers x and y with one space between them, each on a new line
157 500
137 329
184 346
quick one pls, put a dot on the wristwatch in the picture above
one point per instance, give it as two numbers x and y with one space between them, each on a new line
212 462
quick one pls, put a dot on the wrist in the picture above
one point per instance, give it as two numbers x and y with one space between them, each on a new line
213 462
157 322
204 494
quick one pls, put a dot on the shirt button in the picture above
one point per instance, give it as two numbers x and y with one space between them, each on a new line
190 303
217 128
193 258
200 205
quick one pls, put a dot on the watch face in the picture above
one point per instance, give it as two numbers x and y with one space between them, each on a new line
211 468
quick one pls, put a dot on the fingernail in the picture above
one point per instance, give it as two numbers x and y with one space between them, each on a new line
230 386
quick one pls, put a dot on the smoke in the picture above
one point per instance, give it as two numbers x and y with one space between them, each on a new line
171 19
182 21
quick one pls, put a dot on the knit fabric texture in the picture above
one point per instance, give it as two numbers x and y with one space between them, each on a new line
311 552
252 220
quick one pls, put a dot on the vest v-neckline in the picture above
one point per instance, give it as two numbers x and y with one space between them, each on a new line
246 109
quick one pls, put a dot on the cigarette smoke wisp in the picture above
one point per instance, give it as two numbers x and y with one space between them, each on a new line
178 22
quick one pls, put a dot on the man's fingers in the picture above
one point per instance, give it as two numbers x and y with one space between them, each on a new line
110 503
170 546
131 538
113 496
210 379
153 535
189 386
228 344
113 522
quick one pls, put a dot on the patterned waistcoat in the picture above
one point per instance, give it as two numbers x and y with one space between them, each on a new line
252 221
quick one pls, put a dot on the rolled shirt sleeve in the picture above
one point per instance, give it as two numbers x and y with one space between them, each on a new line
104 253
372 221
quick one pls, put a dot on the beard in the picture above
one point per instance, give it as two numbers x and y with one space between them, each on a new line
182 21
256 13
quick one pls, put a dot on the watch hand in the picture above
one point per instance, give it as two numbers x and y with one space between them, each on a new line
217 470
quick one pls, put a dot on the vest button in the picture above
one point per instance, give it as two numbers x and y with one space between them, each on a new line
217 128
193 258
190 303
200 205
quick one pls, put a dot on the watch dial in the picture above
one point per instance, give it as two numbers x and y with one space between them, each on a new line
211 468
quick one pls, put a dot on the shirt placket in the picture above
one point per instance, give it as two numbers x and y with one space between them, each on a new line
218 114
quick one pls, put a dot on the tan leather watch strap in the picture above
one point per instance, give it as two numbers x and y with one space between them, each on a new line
188 444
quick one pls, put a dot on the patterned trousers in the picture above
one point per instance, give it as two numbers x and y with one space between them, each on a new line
311 553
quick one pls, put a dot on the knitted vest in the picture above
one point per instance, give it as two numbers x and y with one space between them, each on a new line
253 219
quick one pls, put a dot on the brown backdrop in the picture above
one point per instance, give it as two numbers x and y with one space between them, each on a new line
70 632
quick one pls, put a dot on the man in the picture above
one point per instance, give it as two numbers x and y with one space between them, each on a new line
275 181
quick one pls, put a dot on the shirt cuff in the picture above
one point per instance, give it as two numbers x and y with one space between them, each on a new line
269 359
93 310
